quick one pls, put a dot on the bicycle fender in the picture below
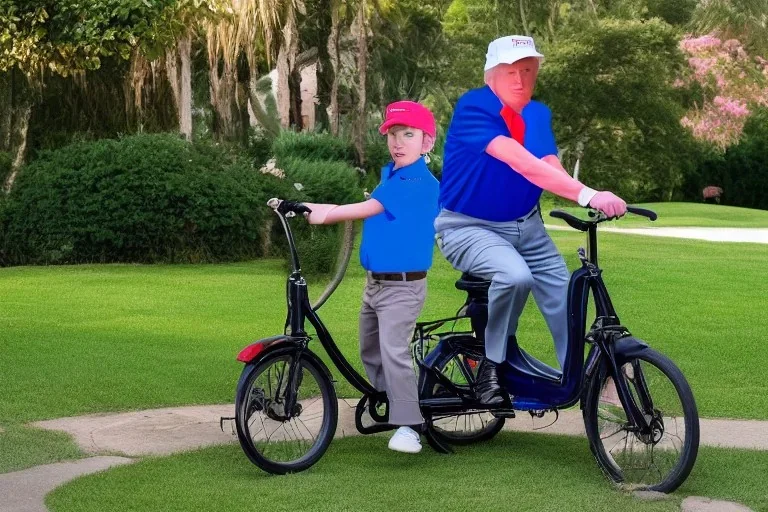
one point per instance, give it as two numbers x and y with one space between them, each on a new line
255 349
629 347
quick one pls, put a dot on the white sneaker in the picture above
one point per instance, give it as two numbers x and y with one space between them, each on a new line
405 440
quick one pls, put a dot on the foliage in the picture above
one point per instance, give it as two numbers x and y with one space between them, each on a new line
146 198
608 84
731 83
68 36
739 19
313 146
6 162
741 170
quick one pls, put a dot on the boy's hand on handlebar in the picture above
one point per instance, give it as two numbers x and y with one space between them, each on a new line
608 203
295 207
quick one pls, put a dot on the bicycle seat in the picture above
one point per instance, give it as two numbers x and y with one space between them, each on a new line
469 283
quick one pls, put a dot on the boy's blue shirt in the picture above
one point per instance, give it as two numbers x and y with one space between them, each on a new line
401 238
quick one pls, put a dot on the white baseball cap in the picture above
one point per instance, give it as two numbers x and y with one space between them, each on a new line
509 49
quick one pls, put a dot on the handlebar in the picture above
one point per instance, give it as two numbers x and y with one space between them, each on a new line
288 209
597 217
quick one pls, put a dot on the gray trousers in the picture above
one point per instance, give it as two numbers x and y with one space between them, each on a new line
518 257
387 319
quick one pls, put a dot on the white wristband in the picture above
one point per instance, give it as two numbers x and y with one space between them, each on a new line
585 196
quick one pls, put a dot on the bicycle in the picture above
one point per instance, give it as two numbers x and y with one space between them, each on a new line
286 408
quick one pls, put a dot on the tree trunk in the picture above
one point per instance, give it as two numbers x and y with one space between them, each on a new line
286 61
185 109
362 63
180 79
18 97
333 52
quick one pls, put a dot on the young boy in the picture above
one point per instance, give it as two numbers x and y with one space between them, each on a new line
396 252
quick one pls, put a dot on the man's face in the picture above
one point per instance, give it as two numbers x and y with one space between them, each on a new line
514 83
406 144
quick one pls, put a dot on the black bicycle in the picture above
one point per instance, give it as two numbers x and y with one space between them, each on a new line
638 410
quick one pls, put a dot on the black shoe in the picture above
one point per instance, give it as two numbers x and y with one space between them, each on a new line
487 389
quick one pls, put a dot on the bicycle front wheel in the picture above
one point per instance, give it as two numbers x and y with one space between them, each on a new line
662 459
285 411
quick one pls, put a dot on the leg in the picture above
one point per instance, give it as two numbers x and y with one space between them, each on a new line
398 305
487 254
369 340
550 281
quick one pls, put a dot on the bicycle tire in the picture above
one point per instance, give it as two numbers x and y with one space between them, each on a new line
689 447
432 388
310 365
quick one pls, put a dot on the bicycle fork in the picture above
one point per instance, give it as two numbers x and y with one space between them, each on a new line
607 335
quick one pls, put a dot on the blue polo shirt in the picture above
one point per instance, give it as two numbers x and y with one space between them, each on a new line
400 239
473 182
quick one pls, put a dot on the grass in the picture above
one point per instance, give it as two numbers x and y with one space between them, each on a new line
99 338
514 471
683 215
22 447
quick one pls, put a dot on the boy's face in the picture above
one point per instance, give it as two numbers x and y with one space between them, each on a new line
407 144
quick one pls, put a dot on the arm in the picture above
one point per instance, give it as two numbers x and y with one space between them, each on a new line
331 213
555 162
539 172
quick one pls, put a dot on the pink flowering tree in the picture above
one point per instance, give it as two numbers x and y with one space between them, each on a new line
732 82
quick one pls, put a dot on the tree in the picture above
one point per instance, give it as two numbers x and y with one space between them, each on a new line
730 83
746 20
609 85
64 37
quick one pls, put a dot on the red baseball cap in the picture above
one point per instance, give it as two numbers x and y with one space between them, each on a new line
408 113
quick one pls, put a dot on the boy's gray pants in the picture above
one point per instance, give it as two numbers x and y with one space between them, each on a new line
517 257
387 319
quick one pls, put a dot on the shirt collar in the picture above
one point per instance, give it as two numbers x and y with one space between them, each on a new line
388 170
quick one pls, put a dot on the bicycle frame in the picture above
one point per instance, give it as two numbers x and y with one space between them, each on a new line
300 310
536 386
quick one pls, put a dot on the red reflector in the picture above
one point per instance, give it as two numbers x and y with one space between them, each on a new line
250 352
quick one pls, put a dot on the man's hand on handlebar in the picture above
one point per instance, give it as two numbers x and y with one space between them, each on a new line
608 203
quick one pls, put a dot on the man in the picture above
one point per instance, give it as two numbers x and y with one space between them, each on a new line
500 153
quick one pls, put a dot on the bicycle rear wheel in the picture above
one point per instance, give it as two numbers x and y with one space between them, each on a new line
278 434
659 461
471 426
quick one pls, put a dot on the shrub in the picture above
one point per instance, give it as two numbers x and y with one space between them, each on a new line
313 146
6 163
146 198
320 182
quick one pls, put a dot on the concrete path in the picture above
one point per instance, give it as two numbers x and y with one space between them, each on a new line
24 491
166 431
745 235
176 429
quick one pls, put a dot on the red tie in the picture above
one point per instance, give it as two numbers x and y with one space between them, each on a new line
514 122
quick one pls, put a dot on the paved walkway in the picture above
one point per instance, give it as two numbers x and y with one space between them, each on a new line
176 429
745 235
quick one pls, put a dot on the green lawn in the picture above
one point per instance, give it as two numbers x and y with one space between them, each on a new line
512 472
97 338
685 215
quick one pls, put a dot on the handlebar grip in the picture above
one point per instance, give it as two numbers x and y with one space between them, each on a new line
650 214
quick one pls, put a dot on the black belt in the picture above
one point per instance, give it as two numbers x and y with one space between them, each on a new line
399 276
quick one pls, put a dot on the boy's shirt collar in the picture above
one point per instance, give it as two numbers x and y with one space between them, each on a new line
388 170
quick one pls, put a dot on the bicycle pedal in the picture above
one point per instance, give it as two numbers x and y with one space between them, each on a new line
504 414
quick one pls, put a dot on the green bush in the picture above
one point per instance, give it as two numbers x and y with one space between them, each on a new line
6 163
742 171
146 198
320 181
313 146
